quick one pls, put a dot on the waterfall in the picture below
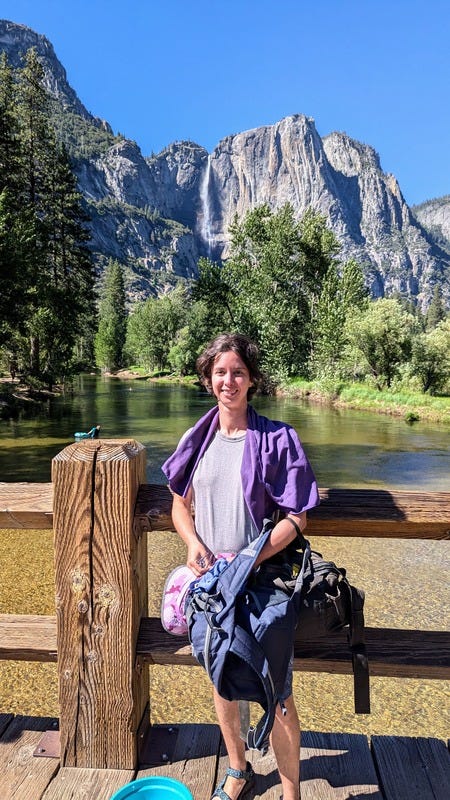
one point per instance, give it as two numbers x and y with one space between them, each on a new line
206 216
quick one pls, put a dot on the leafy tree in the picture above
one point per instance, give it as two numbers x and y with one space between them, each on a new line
212 286
111 334
381 337
340 294
190 340
430 361
273 276
152 329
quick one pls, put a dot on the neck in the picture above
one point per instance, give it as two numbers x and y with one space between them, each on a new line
232 423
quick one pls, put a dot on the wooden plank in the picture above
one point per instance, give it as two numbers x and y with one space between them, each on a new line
78 783
193 742
22 776
342 512
392 652
412 768
381 513
26 505
336 766
28 637
101 591
153 510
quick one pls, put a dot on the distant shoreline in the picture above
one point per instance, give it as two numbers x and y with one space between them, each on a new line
412 407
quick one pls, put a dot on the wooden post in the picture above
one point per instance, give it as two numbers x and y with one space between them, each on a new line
101 595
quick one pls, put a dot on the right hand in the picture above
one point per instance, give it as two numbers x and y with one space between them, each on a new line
199 558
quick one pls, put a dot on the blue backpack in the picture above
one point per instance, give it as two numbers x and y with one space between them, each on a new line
242 632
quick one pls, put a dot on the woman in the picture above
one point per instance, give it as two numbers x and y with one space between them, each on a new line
235 468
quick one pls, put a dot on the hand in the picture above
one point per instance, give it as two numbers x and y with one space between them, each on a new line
199 558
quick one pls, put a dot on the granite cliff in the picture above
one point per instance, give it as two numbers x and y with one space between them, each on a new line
158 214
434 216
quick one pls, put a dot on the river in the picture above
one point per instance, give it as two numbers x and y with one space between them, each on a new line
346 448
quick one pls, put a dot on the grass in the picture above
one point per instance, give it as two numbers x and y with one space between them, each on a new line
410 405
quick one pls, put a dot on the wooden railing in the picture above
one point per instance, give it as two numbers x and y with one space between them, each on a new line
101 512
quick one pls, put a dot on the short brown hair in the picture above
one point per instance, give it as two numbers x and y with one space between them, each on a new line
242 345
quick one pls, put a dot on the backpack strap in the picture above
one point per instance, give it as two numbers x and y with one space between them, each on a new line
358 650
248 649
302 542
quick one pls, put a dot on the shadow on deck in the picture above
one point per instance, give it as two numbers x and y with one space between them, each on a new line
334 766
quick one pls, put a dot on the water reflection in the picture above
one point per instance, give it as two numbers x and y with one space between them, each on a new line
346 448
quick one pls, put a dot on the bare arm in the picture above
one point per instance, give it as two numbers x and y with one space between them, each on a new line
282 534
199 557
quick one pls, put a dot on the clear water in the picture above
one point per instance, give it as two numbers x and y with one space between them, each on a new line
346 448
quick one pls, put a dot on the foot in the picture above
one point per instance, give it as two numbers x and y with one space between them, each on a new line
236 784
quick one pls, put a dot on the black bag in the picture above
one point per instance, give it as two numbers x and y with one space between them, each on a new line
328 603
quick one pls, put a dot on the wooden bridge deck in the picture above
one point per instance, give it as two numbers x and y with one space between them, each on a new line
334 766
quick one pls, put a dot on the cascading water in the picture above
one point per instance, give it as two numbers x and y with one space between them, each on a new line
206 216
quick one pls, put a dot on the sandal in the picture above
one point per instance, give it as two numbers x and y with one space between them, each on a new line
244 774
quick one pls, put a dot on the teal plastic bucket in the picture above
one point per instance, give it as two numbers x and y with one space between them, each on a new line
155 787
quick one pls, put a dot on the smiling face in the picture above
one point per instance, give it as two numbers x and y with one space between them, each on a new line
230 381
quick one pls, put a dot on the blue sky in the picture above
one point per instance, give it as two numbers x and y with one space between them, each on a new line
164 70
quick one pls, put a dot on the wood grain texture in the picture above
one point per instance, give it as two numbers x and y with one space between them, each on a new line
412 769
342 512
26 505
28 637
194 757
392 652
333 766
374 513
77 783
101 593
337 766
22 776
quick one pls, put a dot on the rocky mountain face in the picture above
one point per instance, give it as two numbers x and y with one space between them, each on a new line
434 216
15 40
157 215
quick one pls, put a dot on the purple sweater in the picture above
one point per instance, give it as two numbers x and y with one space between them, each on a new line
275 472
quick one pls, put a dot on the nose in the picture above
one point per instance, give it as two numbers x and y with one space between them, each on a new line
228 378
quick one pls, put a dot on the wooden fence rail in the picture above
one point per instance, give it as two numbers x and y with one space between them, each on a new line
101 512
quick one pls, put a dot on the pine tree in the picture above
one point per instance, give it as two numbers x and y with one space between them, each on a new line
9 132
15 228
436 310
57 268
37 143
110 337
